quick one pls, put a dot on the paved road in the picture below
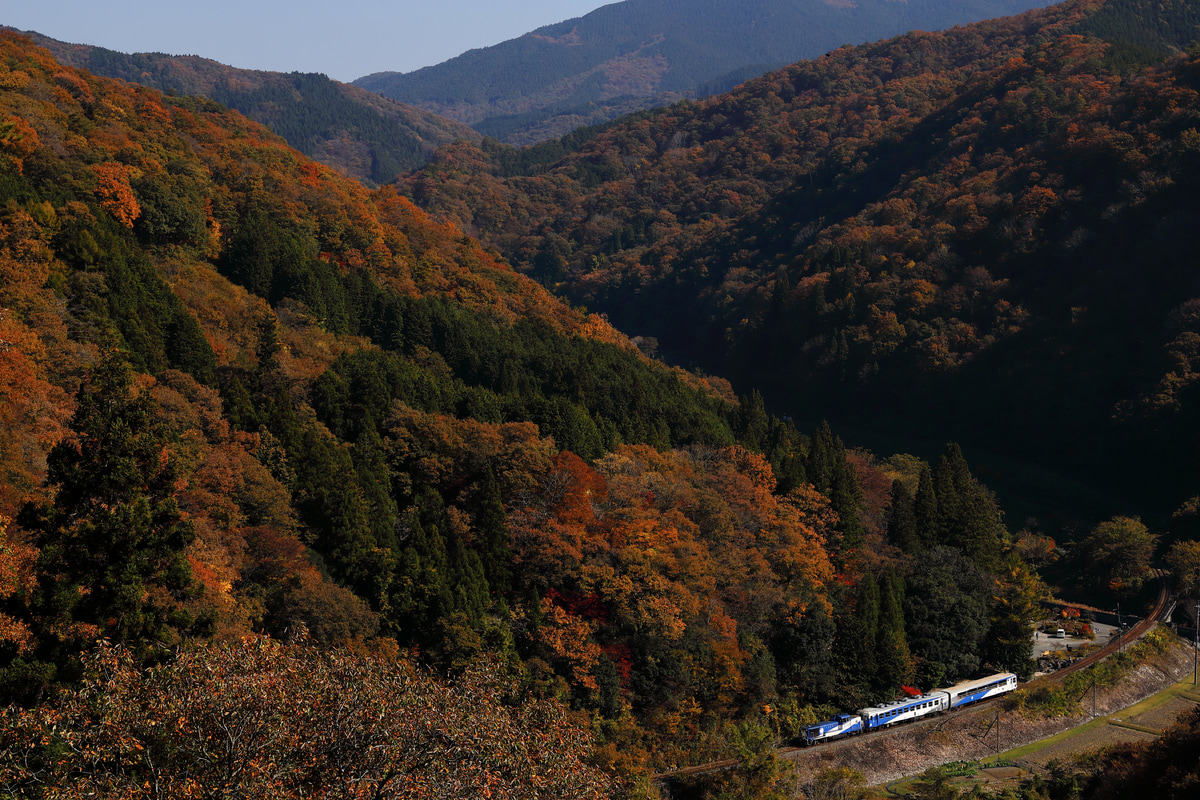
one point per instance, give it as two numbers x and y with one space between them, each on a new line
1043 643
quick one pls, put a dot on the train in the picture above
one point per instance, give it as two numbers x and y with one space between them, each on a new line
908 709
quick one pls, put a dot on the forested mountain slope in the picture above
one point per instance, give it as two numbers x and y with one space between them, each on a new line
316 466
356 132
644 53
978 234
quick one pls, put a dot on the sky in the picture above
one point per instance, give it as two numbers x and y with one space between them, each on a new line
345 39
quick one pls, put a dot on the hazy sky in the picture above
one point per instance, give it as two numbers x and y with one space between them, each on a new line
345 39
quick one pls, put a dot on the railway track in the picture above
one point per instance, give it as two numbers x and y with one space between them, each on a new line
1107 650
1160 606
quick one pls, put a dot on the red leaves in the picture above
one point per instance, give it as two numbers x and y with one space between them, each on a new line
588 606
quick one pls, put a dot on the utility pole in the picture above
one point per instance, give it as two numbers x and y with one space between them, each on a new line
997 733
1120 631
1196 643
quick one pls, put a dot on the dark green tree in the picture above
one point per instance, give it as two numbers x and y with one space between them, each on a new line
802 646
946 616
751 423
471 597
893 661
968 516
421 595
925 509
865 630
268 345
951 481
820 462
902 519
331 502
112 539
829 471
491 534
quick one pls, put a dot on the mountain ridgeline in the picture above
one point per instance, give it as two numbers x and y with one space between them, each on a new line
356 132
979 232
643 53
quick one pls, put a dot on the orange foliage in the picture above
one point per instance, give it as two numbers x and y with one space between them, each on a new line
673 546
262 719
33 412
112 186
17 578
754 466
583 487
18 140
568 640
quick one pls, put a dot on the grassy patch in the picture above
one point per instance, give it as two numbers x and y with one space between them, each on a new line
960 769
1134 727
1019 753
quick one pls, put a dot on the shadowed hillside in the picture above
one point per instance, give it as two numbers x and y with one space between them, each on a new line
980 231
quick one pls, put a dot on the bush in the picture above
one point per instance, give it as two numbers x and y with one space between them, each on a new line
261 719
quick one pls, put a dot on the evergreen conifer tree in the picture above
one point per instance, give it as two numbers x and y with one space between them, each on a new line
902 519
968 517
894 666
752 422
491 534
421 592
951 481
112 539
925 509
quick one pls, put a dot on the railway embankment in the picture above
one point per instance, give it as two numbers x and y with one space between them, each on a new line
977 733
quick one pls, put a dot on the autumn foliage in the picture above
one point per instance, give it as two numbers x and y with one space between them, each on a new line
877 234
259 719
246 401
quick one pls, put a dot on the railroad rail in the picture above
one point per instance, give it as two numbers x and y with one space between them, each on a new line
1160 607
1107 650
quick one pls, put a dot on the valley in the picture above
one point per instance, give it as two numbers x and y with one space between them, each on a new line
388 459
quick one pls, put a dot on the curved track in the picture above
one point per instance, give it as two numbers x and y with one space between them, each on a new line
1160 606
1107 650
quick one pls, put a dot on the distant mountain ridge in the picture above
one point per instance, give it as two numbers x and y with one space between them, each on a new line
643 53
356 132
981 230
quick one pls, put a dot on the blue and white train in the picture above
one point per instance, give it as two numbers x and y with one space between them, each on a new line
888 714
